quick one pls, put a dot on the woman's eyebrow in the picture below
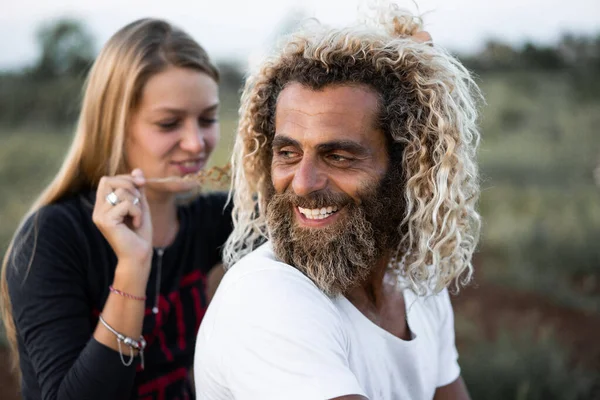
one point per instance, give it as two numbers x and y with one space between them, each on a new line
214 107
176 110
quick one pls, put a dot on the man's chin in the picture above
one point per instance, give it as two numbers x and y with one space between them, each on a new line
335 257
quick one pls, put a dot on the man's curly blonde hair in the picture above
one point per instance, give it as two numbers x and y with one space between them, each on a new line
428 106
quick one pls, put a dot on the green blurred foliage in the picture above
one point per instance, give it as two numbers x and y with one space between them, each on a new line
66 47
48 93
577 57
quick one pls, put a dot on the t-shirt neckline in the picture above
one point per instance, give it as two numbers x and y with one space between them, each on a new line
408 300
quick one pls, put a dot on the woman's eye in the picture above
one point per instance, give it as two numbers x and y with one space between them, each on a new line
168 125
208 121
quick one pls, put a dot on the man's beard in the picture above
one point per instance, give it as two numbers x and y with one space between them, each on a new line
342 255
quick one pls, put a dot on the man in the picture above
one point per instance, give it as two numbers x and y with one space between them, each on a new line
355 159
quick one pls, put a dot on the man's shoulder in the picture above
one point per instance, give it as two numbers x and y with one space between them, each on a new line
269 328
260 284
433 306
261 265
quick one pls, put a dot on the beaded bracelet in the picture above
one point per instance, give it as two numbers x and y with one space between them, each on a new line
129 296
127 341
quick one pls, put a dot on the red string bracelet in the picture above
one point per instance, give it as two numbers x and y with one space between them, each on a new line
129 296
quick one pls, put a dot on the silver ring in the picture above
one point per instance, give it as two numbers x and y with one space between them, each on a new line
136 201
112 198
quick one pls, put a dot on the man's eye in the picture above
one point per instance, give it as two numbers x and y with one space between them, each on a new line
339 158
285 154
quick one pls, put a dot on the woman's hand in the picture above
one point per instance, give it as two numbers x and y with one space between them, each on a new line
122 214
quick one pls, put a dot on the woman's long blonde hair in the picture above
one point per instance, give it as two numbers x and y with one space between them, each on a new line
428 108
112 90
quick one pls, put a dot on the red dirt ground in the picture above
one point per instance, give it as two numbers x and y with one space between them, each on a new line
496 308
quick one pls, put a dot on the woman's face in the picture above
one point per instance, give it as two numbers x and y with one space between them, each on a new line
175 126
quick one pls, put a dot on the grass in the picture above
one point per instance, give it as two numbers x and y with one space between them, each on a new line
28 161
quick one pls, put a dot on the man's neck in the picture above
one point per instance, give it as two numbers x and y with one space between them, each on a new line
382 301
371 291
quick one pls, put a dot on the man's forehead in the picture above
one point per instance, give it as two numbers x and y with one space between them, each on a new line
337 108
335 98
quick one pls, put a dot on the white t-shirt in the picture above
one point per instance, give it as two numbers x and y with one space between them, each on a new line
271 333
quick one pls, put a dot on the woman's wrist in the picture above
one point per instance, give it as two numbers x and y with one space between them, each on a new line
131 279
140 258
125 294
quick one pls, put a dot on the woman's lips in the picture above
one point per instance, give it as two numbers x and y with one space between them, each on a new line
189 166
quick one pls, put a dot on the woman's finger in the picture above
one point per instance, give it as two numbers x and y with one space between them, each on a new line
125 209
119 195
120 202
108 184
138 177
114 191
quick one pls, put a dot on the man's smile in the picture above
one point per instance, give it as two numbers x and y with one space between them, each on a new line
318 213
317 217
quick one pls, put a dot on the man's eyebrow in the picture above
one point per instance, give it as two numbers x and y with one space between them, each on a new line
280 141
350 146
343 145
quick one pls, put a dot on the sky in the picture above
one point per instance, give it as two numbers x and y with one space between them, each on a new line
243 29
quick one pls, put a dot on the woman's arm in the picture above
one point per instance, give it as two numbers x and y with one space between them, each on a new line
127 227
53 316
70 358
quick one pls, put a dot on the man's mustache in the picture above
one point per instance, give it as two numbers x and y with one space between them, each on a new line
319 199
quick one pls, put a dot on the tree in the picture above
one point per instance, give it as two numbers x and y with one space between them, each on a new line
67 49
545 58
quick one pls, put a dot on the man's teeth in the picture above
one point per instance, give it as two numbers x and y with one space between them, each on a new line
318 213
189 163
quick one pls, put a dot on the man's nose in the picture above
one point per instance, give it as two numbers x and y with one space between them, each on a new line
308 177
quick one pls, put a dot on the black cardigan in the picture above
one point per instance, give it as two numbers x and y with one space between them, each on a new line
57 301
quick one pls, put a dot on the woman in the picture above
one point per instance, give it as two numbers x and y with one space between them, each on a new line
105 282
